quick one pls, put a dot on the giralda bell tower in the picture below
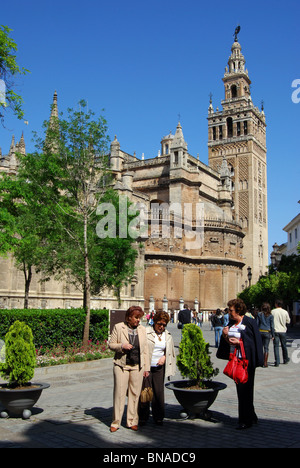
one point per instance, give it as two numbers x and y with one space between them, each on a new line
238 134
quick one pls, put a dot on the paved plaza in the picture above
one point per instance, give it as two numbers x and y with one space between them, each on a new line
75 412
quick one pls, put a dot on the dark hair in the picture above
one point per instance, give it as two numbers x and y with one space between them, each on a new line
266 309
278 303
161 316
239 306
133 309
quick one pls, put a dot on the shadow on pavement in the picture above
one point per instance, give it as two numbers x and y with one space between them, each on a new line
174 434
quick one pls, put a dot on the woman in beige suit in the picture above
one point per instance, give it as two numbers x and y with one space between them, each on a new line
131 364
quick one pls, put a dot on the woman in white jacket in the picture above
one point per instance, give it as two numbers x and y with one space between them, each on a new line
163 365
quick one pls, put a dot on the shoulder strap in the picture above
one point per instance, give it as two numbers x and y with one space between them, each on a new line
242 349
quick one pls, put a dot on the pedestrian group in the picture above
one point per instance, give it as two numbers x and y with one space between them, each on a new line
145 356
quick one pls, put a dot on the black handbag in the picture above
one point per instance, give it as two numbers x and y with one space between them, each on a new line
179 326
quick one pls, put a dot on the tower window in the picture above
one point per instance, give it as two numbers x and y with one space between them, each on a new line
220 132
229 127
238 128
214 133
233 91
245 127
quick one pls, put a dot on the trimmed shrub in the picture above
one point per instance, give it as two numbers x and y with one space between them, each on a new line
51 327
193 360
20 358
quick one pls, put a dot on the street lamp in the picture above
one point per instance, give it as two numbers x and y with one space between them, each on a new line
249 275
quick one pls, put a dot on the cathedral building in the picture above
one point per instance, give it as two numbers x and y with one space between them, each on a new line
206 225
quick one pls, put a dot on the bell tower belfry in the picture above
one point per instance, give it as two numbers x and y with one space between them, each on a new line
238 134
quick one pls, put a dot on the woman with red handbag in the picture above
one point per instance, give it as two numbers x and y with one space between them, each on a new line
245 329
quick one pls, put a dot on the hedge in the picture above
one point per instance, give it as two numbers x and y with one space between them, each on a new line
51 327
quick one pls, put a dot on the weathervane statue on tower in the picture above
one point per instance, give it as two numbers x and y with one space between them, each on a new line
237 30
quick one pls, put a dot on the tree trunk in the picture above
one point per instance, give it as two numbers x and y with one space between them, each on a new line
119 297
28 277
87 289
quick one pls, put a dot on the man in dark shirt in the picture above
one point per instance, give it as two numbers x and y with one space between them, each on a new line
184 315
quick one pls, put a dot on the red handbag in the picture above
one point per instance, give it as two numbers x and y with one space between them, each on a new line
237 368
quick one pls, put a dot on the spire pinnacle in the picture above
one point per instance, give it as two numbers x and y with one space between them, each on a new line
54 108
52 135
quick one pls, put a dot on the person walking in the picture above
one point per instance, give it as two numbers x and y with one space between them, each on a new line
226 317
131 364
243 328
281 320
194 316
200 319
218 324
163 365
185 315
265 322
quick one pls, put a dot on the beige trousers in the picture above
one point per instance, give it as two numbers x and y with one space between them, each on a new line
127 379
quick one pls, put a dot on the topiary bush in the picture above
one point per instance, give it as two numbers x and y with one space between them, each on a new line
20 357
193 360
53 327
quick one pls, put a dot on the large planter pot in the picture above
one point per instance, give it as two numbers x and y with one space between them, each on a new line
19 402
195 402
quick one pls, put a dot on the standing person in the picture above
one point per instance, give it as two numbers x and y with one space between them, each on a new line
163 364
226 317
131 364
265 322
184 315
218 324
281 320
200 319
245 328
194 316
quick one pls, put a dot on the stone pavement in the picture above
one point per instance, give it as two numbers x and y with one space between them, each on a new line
75 412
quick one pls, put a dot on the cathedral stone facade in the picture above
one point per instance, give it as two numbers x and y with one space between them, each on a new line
205 224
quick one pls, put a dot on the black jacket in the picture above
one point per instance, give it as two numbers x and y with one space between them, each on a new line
184 316
217 321
252 343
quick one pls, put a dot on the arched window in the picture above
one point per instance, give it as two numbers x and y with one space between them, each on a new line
229 127
233 91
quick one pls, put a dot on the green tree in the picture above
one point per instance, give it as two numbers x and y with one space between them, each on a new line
70 176
282 282
9 69
116 264
20 223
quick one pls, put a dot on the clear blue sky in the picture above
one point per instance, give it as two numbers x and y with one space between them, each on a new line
147 62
